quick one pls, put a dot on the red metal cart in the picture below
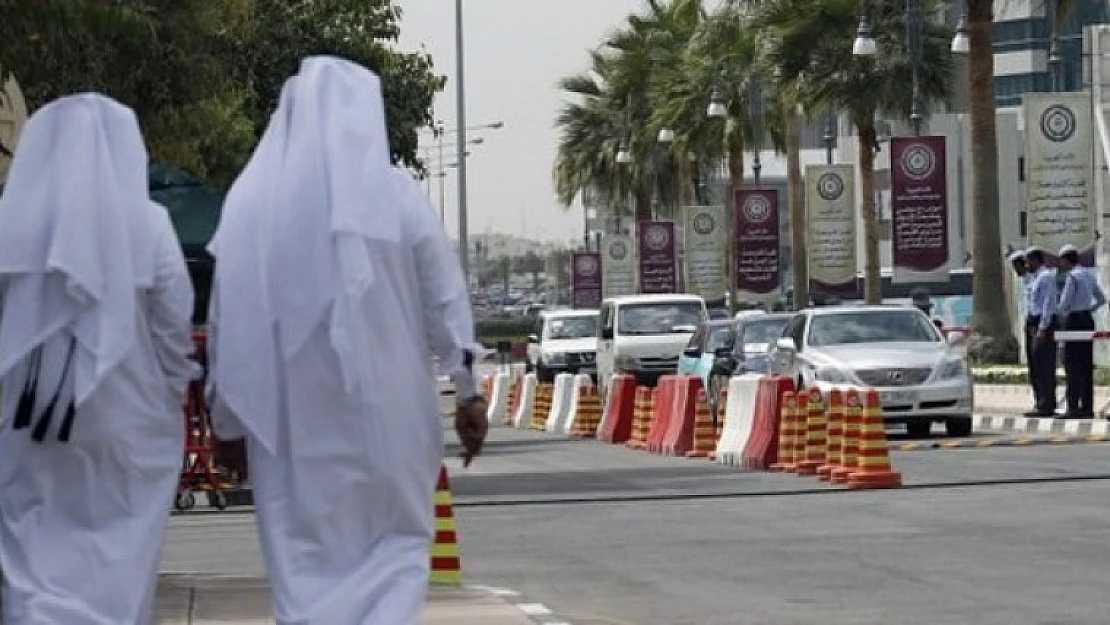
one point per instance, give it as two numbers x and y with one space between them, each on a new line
199 473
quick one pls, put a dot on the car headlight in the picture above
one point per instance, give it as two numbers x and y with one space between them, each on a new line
625 362
955 368
555 358
832 375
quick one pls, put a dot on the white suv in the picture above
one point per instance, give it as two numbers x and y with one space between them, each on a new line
566 342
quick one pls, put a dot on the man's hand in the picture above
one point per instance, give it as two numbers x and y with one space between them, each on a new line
471 425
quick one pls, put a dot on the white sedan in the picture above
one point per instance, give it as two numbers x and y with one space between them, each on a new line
921 377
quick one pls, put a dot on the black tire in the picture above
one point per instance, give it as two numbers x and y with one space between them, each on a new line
217 499
920 428
185 501
958 426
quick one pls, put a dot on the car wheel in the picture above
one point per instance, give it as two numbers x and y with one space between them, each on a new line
921 428
960 426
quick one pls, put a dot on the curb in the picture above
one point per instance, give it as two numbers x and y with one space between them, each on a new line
1002 442
1042 425
536 612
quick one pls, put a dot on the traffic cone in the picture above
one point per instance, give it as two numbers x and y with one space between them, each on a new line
446 566
849 450
588 417
487 388
541 407
815 435
874 458
835 448
641 417
514 399
801 414
788 433
705 441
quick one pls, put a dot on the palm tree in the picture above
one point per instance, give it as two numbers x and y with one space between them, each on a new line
812 44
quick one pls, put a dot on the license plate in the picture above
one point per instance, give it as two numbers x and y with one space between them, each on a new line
898 398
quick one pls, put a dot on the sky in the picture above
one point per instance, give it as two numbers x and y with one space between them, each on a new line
515 53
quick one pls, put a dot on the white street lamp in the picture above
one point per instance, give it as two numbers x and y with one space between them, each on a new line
666 135
624 157
864 44
716 106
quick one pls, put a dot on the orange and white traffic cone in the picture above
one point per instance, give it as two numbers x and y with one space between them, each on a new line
801 412
849 451
641 417
541 407
705 440
446 566
835 448
588 416
514 399
815 435
874 458
788 417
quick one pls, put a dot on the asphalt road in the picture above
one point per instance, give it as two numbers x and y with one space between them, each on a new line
604 535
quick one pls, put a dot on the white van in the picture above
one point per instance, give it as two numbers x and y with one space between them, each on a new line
644 334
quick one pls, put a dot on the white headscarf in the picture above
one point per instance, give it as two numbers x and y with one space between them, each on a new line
73 237
292 243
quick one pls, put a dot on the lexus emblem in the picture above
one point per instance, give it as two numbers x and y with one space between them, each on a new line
894 376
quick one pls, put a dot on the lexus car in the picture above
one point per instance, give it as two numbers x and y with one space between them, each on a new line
921 377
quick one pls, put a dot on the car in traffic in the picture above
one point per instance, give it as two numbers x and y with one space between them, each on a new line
643 335
755 336
920 376
565 342
712 340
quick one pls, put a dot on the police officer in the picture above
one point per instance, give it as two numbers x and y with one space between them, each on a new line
1081 297
1040 325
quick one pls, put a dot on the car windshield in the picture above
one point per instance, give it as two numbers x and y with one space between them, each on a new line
882 326
764 331
719 337
572 327
660 318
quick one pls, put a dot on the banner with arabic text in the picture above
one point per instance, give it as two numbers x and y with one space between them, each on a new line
1060 174
585 279
618 264
831 228
757 245
919 209
704 252
657 257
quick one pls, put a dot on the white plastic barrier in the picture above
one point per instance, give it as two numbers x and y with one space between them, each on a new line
561 398
499 404
739 419
581 381
522 420
517 369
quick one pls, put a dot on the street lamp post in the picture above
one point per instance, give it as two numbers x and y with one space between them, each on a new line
1055 61
914 34
755 102
460 87
829 139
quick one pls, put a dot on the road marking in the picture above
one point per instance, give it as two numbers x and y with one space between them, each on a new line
537 612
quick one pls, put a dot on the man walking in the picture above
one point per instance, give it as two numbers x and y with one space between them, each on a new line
94 344
1079 299
334 287
1040 324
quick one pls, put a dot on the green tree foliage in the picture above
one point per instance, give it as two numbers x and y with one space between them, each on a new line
203 75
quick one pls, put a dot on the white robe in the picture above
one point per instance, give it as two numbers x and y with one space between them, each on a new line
82 523
345 505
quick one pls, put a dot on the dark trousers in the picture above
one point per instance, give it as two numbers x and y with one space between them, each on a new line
1042 366
1079 364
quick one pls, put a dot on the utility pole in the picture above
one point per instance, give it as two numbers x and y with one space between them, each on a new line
464 244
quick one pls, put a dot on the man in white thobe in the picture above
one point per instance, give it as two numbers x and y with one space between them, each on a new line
94 344
334 287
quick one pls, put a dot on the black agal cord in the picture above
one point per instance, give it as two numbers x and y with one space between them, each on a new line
26 408
39 433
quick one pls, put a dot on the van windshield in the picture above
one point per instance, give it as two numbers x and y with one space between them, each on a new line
660 318
572 327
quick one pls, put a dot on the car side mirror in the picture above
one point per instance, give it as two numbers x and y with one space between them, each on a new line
691 352
532 338
786 344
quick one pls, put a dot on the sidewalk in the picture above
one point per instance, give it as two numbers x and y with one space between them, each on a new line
215 600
